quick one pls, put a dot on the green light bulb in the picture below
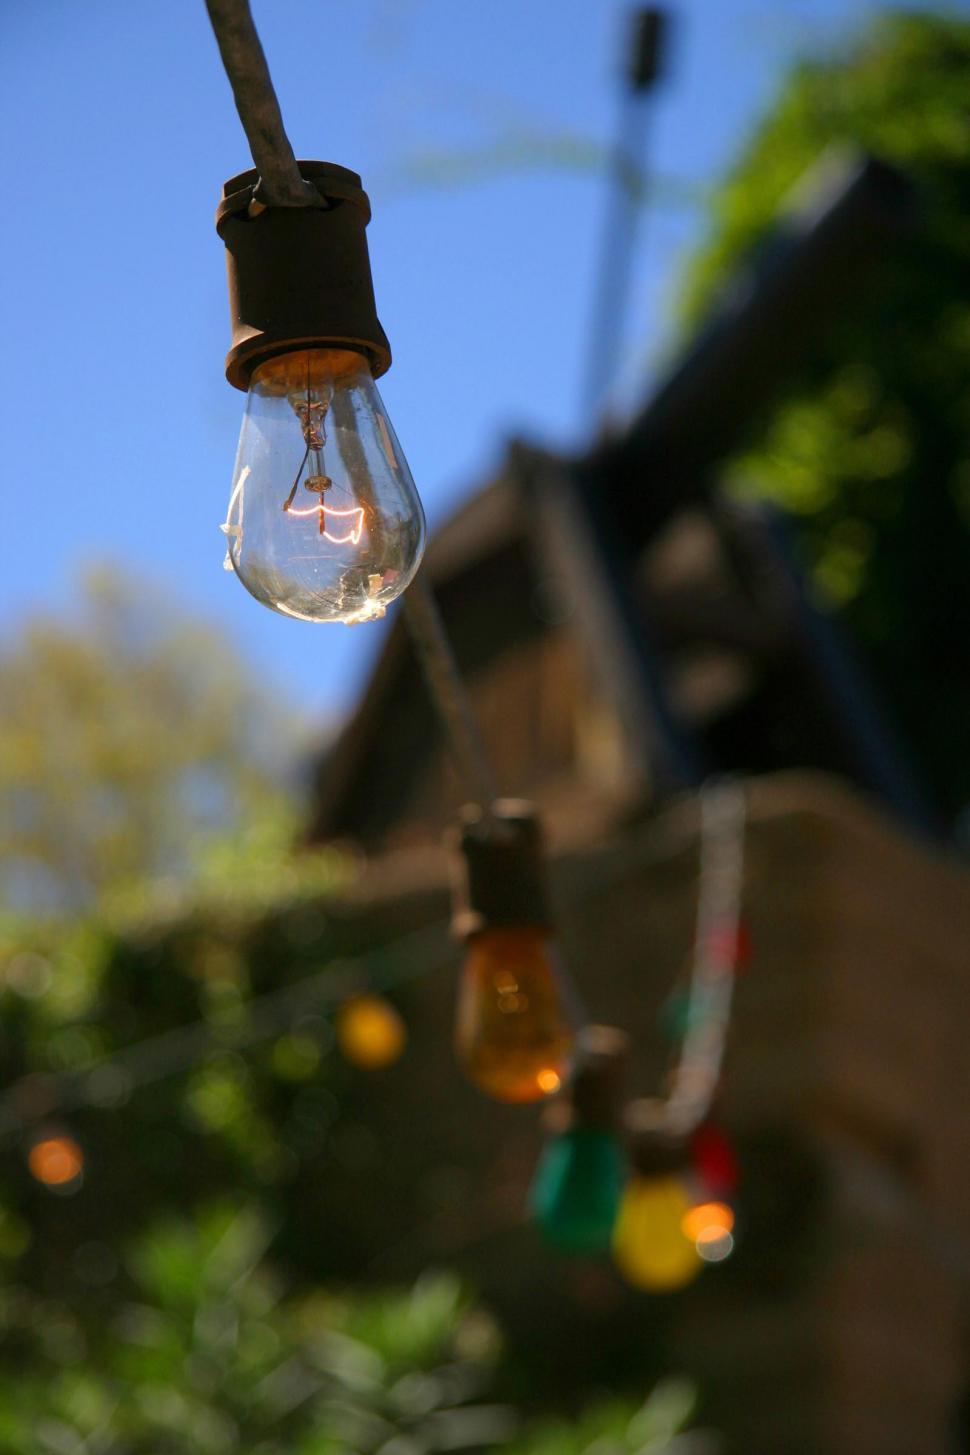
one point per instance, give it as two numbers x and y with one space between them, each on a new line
577 1189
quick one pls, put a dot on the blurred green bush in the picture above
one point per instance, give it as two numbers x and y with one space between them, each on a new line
207 1354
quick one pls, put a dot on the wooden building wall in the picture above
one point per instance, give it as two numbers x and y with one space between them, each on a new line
551 735
839 1325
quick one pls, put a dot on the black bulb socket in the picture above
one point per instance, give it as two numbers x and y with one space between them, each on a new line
499 875
299 277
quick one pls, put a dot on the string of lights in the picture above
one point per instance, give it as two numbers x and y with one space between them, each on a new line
379 970
653 1180
309 355
675 1214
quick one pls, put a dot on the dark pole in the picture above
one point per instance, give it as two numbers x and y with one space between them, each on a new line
625 193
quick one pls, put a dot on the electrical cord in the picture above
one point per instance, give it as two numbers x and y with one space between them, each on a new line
281 185
280 182
717 937
693 1082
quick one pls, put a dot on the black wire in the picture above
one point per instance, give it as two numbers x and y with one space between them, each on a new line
289 499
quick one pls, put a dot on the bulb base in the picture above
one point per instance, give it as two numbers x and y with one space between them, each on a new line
499 881
655 1150
299 277
596 1089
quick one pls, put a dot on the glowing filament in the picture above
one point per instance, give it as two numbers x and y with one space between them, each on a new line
351 535
355 516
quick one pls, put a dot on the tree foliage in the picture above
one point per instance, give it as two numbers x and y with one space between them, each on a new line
870 448
205 1353
132 742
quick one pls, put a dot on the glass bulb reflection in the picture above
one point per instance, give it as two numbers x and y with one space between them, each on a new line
513 1037
324 522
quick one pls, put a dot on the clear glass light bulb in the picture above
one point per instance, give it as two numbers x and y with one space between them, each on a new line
512 1034
324 522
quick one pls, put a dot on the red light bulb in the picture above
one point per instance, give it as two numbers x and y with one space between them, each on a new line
714 1160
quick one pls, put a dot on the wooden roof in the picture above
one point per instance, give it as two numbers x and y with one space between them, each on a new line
546 518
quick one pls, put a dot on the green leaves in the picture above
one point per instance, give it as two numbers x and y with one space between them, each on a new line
868 448
207 1355
620 1428
131 739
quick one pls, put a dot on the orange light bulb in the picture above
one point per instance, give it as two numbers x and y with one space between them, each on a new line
513 1037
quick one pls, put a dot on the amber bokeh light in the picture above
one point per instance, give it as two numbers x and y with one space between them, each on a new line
370 1033
56 1161
513 1036
708 1220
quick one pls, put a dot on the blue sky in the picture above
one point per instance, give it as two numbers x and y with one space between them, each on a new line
119 430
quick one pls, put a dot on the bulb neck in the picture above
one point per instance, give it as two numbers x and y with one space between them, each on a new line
320 370
299 277
595 1093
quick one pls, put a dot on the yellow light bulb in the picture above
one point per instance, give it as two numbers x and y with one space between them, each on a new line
370 1033
513 1037
650 1246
